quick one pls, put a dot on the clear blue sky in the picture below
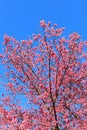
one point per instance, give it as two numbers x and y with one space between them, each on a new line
20 18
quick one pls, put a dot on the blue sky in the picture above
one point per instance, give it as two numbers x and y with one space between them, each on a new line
20 18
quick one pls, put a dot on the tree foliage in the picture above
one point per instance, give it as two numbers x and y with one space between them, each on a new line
50 71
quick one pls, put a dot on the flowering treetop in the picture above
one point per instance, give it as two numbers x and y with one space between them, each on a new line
50 71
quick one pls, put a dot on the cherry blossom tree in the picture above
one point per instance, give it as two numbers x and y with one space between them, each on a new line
49 72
